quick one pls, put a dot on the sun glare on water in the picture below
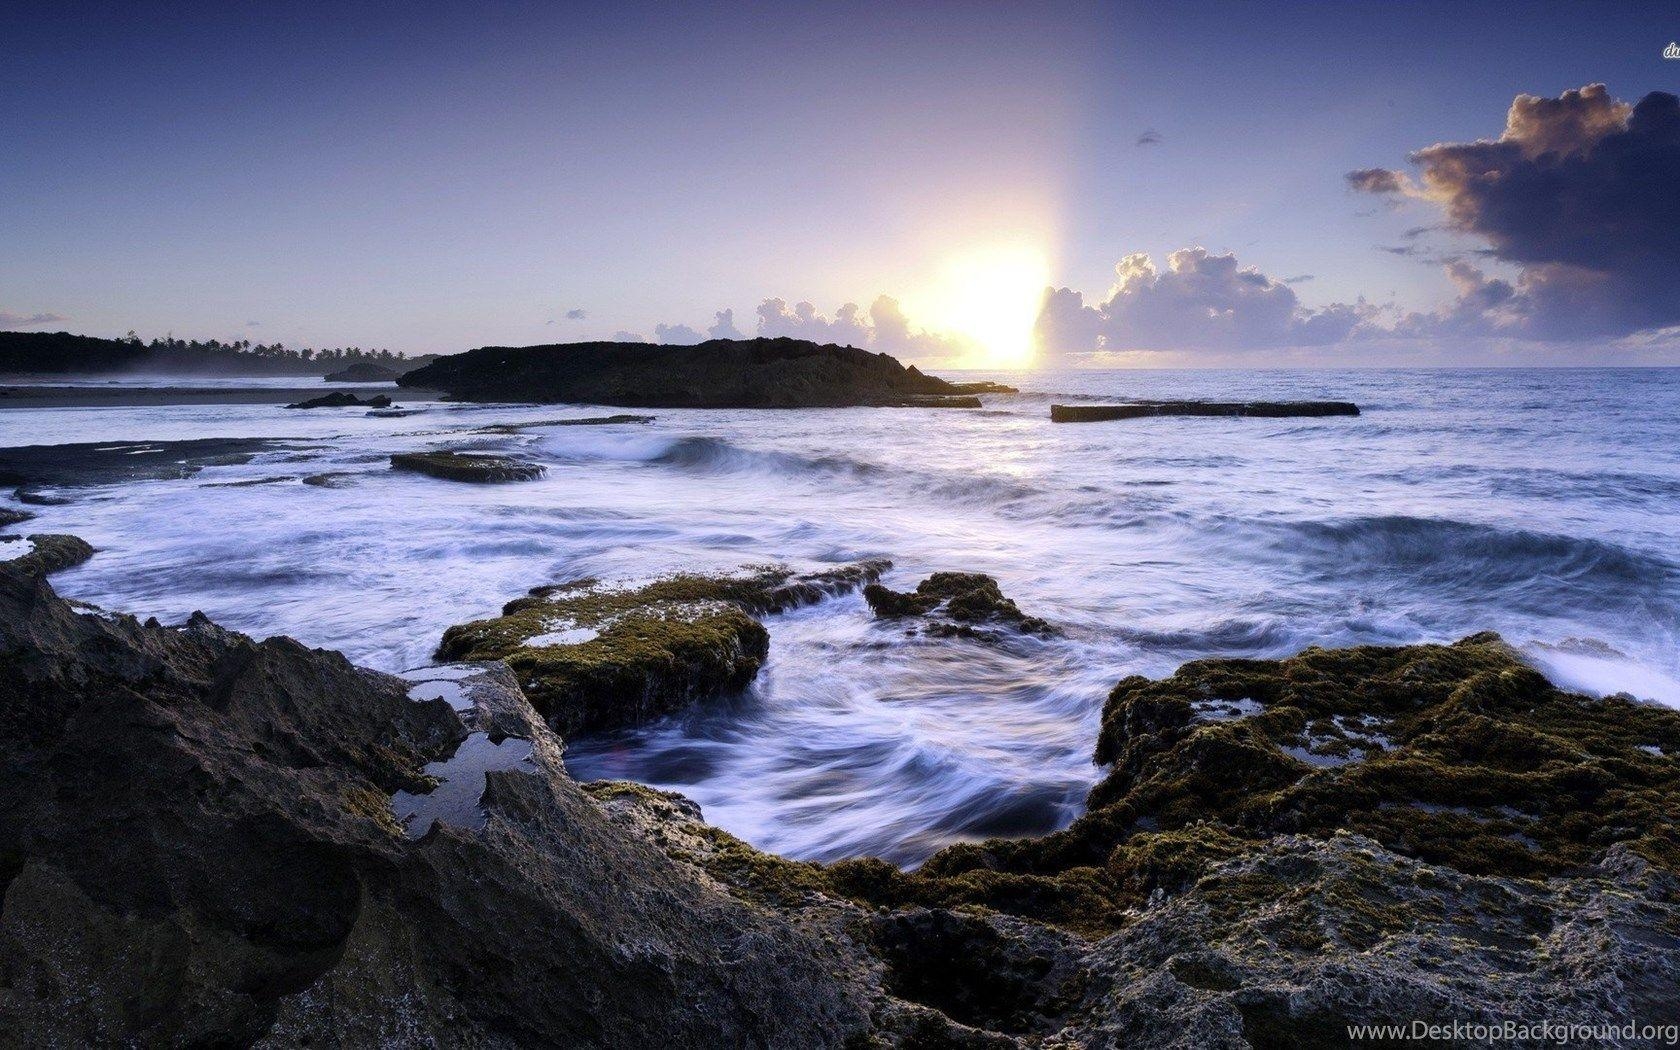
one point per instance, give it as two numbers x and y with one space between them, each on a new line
990 298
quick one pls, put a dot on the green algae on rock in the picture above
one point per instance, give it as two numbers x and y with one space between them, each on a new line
468 466
591 656
47 553
1457 755
955 604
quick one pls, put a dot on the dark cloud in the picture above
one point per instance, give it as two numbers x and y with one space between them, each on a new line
1150 138
1201 301
1300 278
575 314
25 320
1580 194
1377 180
253 324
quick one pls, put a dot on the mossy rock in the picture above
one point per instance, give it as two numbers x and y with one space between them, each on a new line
1456 755
955 604
49 553
593 657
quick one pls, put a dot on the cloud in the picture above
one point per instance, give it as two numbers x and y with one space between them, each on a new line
253 324
628 337
1578 193
1200 302
575 314
25 320
1150 138
675 334
1377 180
723 326
1300 278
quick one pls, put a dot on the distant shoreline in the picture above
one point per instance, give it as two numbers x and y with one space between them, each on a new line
15 396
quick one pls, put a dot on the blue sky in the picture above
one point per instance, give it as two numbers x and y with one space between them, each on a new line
439 177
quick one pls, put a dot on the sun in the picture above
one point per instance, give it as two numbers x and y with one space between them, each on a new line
989 298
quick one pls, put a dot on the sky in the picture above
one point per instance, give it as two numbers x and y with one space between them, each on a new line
431 178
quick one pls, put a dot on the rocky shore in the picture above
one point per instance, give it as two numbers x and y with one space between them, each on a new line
198 845
721 373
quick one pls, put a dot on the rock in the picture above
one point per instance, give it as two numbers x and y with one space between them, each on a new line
585 421
720 373
1139 409
108 463
332 479
362 372
197 848
593 657
468 466
48 553
13 516
955 604
344 399
984 387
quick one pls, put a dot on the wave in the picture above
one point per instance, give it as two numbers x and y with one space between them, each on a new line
1479 561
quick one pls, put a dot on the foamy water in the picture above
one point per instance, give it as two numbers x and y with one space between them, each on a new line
1538 503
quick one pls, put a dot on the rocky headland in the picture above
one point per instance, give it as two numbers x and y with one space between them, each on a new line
200 844
363 372
720 373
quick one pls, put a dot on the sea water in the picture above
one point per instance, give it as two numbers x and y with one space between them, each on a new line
1543 504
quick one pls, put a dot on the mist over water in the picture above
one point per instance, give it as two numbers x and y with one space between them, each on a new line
1538 503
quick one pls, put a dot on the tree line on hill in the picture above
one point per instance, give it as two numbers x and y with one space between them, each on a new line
61 353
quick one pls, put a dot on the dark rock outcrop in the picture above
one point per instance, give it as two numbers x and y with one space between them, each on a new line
344 399
48 553
13 516
1142 409
468 466
592 657
197 847
721 373
955 604
363 372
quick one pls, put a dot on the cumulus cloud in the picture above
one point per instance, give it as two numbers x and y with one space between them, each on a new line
675 334
723 326
885 328
1201 301
628 337
26 320
1578 193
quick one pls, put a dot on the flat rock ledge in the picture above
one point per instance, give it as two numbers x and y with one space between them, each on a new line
1145 409
468 466
198 847
592 657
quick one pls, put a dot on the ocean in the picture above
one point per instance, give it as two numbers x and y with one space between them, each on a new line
1540 503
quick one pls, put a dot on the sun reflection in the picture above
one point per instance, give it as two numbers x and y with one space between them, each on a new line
989 297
